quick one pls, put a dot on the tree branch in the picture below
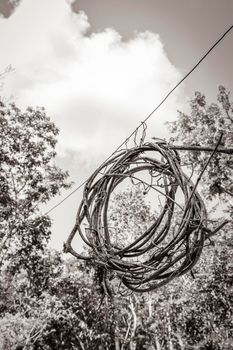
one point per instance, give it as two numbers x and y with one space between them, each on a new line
201 149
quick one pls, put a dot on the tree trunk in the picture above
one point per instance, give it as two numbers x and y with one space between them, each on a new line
157 343
150 306
169 332
133 343
117 343
180 342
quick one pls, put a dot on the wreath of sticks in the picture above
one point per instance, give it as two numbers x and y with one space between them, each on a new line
166 249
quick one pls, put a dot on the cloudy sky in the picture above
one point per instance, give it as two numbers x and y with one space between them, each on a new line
99 67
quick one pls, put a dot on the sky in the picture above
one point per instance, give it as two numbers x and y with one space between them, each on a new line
100 67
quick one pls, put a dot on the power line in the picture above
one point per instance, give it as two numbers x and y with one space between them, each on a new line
64 199
150 114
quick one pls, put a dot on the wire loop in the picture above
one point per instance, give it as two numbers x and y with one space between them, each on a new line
169 247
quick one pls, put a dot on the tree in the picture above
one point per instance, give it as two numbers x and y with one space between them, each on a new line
28 178
130 215
208 323
203 126
3 75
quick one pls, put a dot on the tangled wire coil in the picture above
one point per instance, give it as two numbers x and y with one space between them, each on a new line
168 248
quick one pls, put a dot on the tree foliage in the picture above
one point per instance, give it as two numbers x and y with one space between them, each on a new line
48 302
130 215
73 312
28 177
203 127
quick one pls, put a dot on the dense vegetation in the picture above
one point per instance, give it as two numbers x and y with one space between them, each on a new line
50 302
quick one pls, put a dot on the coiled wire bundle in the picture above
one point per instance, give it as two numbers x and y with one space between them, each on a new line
169 247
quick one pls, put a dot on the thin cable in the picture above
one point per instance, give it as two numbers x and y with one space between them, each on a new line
64 199
150 114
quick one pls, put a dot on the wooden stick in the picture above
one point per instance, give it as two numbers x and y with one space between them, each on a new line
201 148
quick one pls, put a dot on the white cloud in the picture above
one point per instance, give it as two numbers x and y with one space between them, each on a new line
97 88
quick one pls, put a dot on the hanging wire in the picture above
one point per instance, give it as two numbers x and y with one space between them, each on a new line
167 248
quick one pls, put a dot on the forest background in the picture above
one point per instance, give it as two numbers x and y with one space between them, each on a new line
51 302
